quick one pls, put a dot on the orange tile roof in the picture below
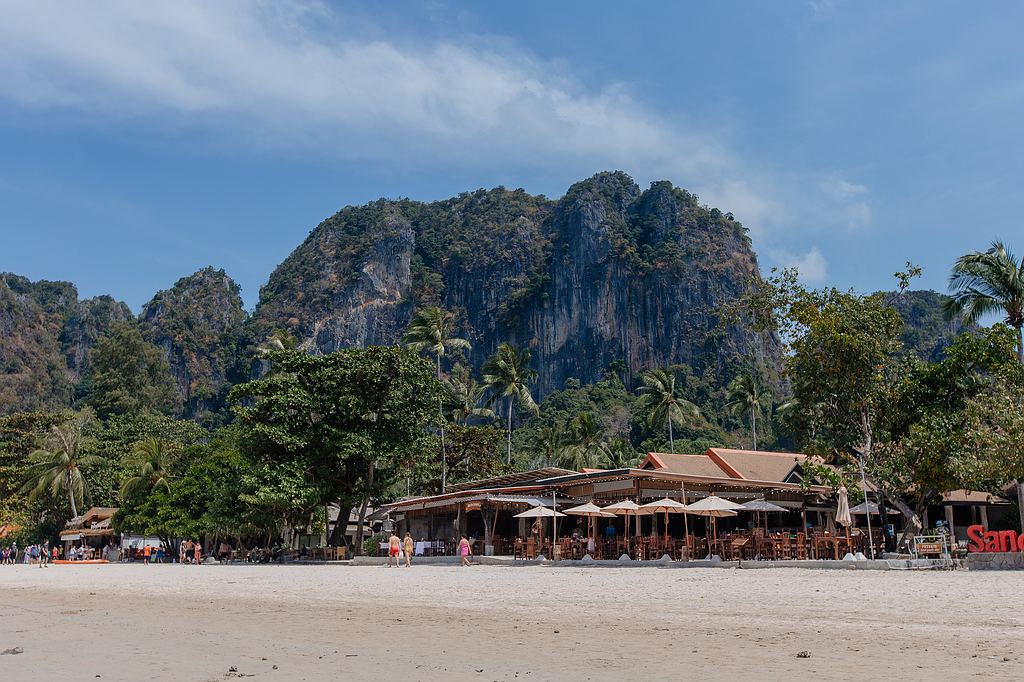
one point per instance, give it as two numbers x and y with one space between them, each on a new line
751 465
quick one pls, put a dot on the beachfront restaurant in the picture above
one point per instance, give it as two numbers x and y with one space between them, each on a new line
740 504
92 529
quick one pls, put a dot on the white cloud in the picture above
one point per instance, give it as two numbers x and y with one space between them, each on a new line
812 266
297 71
298 75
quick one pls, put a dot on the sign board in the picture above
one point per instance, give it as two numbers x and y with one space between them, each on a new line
982 540
473 506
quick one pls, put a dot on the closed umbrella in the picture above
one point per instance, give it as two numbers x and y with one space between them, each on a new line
714 507
664 506
843 516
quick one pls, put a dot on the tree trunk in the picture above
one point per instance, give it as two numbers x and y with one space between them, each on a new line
71 495
1020 503
337 536
671 442
362 510
1020 349
487 514
440 409
511 401
753 425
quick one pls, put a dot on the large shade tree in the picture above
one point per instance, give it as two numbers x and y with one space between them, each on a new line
658 394
991 282
338 428
432 329
508 375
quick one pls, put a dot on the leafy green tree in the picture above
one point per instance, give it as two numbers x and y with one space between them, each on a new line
984 283
56 468
152 459
338 428
746 397
658 394
508 374
932 438
431 330
130 375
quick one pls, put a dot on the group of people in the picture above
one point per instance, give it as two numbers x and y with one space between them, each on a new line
398 548
38 555
190 552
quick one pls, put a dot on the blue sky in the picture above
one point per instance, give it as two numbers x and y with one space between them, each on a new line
140 142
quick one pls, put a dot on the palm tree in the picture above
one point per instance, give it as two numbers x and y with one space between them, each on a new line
589 446
57 467
989 282
507 374
431 330
153 459
465 396
548 444
621 455
745 395
658 394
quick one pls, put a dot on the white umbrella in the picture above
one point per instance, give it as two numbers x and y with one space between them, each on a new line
843 515
538 512
625 508
714 507
664 506
591 511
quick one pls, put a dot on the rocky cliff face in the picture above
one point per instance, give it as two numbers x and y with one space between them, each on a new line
198 323
46 334
607 273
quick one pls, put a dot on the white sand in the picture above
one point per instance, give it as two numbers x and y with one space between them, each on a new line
494 623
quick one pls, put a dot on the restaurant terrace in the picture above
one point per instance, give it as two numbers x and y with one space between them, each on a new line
740 504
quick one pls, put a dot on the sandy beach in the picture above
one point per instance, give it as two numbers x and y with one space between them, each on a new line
130 622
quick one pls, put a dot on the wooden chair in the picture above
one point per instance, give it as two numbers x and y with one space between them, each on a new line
518 550
531 549
800 546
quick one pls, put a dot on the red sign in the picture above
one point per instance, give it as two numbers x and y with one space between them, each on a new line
994 540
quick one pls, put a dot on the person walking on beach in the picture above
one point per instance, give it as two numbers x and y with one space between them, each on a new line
409 547
465 552
394 547
183 552
198 549
147 551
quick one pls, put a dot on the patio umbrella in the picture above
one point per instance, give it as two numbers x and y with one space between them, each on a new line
843 516
763 506
869 508
714 507
664 506
591 511
625 508
538 512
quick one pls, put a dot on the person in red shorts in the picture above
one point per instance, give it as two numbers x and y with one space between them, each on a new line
394 548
